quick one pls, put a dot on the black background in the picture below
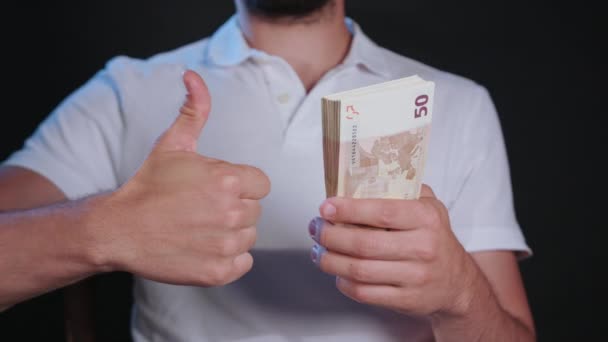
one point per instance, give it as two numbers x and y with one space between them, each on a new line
539 60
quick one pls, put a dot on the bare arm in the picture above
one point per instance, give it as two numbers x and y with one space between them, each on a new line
418 267
19 189
498 307
182 219
46 248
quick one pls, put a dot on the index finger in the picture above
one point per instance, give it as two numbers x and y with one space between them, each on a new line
254 184
379 213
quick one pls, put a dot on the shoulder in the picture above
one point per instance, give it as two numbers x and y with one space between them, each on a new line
463 111
458 100
153 80
447 83
127 69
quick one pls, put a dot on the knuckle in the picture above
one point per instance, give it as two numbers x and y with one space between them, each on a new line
229 247
427 251
365 247
218 168
188 113
421 277
230 183
360 293
429 215
251 236
229 204
410 299
218 275
248 265
373 243
426 254
359 271
388 215
234 219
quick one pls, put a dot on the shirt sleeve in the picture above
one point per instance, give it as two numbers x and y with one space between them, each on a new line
77 147
482 214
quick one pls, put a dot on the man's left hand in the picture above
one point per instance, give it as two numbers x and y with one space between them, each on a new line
409 261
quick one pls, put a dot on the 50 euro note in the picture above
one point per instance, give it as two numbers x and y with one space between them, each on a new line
375 139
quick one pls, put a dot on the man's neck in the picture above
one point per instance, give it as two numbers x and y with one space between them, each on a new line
312 46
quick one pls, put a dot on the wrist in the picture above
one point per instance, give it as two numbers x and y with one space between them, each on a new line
98 222
471 290
473 302
478 316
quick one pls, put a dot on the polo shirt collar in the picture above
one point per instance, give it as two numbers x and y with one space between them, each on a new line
228 47
364 52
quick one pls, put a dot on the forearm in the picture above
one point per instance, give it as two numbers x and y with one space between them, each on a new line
483 320
46 248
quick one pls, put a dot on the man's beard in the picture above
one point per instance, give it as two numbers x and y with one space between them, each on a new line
277 9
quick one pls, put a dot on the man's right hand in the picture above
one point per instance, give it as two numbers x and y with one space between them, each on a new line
183 218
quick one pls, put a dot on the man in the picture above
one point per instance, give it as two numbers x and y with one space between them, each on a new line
266 69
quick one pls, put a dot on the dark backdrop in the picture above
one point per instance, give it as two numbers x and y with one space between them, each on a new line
540 61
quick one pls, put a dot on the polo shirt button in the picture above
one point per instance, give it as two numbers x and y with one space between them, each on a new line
283 98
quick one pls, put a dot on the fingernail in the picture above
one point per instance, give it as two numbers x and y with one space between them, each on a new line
314 228
328 210
317 253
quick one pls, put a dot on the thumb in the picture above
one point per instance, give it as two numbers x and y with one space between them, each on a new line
185 131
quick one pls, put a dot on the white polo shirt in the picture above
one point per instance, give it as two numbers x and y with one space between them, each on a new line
261 115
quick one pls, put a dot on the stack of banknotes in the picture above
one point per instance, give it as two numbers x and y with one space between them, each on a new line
375 139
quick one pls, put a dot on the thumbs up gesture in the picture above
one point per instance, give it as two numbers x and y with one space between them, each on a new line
184 218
